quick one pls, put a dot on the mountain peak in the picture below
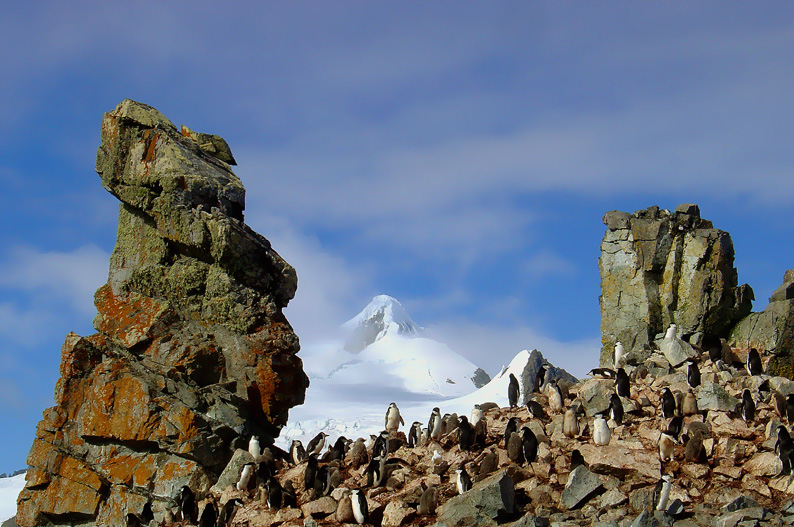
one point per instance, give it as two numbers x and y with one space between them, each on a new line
383 315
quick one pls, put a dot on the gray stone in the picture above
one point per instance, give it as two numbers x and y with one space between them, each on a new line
486 502
582 485
712 396
531 369
645 519
529 520
480 378
595 395
732 519
231 474
688 208
659 268
742 502
677 351
320 507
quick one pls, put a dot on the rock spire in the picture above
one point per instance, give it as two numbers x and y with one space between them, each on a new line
192 353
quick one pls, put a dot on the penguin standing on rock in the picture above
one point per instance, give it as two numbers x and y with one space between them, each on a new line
393 418
228 511
540 378
254 449
358 453
463 479
434 424
784 448
790 408
515 448
360 508
779 402
510 427
209 516
754 366
668 403
296 452
465 434
671 332
188 507
245 476
414 434
529 444
536 409
570 423
601 432
274 494
693 375
616 409
317 443
689 406
619 352
666 444
310 473
661 493
622 383
555 397
747 407
513 391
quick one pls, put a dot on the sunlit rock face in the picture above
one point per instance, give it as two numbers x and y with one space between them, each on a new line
192 353
658 268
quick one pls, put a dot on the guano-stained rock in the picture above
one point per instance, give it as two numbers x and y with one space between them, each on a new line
192 352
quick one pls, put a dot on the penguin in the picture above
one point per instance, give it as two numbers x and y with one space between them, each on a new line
529 444
334 479
296 452
622 383
434 424
715 353
209 516
268 457
640 372
379 448
465 434
188 507
554 396
463 479
689 406
344 509
615 409
414 434
513 390
693 451
316 445
747 407
784 448
668 403
515 448
393 418
536 409
428 502
245 476
338 450
360 508
601 432
358 454
666 443
570 423
510 427
540 378
476 415
488 464
132 520
263 473
437 459
602 373
671 333
310 473
577 459
693 375
753 365
274 494
661 493
254 449
619 352
168 518
288 495
779 402
320 482
228 511
675 426
790 408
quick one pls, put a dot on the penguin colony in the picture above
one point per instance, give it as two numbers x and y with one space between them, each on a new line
543 440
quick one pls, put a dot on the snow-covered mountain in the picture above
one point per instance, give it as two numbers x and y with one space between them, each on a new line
9 490
384 349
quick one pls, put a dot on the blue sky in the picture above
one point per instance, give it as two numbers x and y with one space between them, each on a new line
456 155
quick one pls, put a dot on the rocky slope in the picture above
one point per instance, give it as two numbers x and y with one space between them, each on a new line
192 352
731 478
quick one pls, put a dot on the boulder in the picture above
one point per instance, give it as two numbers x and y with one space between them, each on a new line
396 514
659 267
531 369
192 352
595 395
582 485
487 502
712 396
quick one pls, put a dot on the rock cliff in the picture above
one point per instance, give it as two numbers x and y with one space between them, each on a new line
192 353
658 268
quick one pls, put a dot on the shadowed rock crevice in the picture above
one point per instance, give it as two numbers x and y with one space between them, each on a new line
192 353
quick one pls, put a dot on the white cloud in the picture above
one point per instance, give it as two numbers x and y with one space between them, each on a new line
70 277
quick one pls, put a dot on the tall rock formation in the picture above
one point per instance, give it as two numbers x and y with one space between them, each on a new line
192 353
659 267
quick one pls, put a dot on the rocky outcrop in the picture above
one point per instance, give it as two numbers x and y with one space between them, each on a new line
659 268
771 330
192 352
531 369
